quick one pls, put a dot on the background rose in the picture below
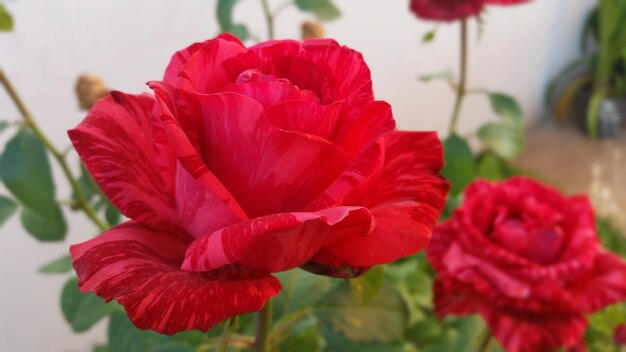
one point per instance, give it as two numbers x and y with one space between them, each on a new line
451 10
249 162
528 260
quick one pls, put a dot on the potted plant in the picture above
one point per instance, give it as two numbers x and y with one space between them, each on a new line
596 80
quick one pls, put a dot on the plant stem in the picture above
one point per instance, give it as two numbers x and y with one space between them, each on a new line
60 157
223 347
460 93
485 340
264 325
269 19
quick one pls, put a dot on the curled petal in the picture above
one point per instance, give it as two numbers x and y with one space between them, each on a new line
140 183
405 198
275 242
140 268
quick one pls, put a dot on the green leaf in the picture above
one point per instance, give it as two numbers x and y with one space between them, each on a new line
125 337
87 185
225 19
3 125
337 342
611 236
304 336
504 140
101 348
429 36
44 228
26 173
82 310
459 167
435 76
173 347
507 108
58 266
322 9
301 289
7 208
6 20
365 287
490 167
112 215
382 319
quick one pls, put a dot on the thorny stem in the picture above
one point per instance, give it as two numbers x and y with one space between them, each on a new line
460 92
58 155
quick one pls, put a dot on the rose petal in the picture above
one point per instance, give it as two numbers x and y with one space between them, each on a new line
446 10
601 286
268 170
139 183
275 242
308 117
405 197
271 93
140 268
374 121
179 111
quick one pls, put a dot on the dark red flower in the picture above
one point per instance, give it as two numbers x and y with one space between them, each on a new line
528 260
619 335
249 162
446 10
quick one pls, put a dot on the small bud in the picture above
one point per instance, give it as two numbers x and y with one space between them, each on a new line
619 335
89 88
310 29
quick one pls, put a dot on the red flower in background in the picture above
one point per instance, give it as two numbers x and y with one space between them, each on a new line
249 162
528 260
452 10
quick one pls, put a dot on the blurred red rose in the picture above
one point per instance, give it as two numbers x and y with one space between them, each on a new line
452 10
446 10
619 335
249 162
528 260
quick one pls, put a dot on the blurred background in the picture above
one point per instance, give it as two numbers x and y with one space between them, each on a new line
130 43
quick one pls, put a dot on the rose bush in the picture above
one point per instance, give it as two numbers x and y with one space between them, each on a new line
528 260
452 10
247 162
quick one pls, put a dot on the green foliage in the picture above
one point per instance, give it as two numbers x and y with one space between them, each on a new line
173 347
322 9
446 75
365 287
58 266
429 36
225 19
379 320
505 138
612 238
82 310
301 289
6 20
7 208
599 334
125 337
459 167
27 175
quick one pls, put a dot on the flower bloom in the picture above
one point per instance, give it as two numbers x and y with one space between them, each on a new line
528 260
247 162
452 10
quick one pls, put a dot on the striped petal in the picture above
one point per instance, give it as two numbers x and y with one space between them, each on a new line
140 268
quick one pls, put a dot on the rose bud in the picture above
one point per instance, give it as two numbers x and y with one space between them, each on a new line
89 88
310 29
527 259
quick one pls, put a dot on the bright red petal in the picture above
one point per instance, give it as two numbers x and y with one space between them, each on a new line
276 242
406 198
268 170
129 155
605 284
271 93
446 10
374 121
307 117
140 268
182 120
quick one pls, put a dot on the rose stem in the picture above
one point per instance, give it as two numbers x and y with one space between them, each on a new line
264 324
60 157
461 89
269 18
485 340
230 323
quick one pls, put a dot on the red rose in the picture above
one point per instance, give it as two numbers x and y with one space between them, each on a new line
249 162
528 260
446 10
452 10
619 335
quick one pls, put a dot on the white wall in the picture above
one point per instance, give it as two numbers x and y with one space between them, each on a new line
130 42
